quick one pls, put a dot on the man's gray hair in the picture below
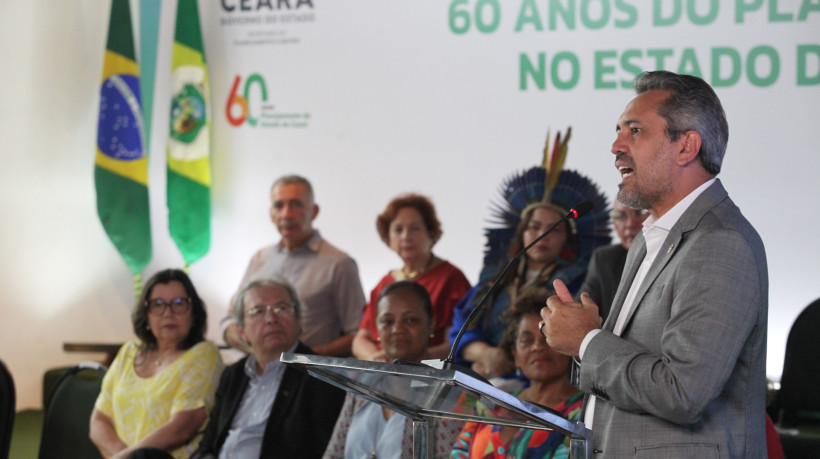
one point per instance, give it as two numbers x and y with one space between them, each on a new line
239 306
692 105
294 179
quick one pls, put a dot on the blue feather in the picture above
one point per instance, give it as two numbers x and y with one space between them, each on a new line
524 188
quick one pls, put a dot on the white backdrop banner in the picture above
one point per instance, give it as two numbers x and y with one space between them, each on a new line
371 98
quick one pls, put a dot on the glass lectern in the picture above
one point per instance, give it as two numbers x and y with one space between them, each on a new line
424 391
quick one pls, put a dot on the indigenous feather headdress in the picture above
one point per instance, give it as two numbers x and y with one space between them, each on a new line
545 183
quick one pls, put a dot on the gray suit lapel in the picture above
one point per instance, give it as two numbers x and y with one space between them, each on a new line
687 222
636 254
664 255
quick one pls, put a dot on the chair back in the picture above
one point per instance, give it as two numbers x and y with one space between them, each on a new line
67 416
798 398
7 406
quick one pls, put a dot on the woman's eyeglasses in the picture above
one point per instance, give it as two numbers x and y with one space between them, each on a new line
176 305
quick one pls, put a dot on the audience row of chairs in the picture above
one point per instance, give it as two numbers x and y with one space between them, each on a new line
796 407
66 415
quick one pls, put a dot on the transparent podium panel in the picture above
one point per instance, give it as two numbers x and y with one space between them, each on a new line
422 391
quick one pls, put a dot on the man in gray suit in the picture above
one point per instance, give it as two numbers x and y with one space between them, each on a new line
678 369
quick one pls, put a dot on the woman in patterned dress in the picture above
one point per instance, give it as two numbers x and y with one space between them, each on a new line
548 372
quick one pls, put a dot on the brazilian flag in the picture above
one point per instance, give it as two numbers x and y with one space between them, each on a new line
189 145
121 169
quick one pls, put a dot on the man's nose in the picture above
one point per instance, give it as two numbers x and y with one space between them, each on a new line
287 210
270 316
617 145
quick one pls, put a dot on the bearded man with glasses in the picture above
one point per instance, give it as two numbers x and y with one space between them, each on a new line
264 408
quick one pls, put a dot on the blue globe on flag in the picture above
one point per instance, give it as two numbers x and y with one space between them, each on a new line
120 133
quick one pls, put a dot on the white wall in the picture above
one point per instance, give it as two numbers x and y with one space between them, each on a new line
398 102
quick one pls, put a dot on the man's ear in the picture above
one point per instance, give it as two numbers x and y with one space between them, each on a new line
315 211
690 142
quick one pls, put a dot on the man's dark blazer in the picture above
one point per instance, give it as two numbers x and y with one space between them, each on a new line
604 274
301 420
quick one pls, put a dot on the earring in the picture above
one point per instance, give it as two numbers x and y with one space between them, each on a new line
432 334
518 373
148 327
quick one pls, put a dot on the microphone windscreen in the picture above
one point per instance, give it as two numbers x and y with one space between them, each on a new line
582 208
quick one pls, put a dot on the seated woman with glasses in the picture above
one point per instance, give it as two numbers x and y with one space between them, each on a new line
156 396
548 372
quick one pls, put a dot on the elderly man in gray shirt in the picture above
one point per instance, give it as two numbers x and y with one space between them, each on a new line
325 278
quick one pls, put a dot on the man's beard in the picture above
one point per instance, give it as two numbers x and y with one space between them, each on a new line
655 186
639 198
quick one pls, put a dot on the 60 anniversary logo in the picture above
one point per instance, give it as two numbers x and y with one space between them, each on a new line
238 109
241 101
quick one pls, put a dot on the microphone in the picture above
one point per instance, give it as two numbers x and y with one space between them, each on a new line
580 210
